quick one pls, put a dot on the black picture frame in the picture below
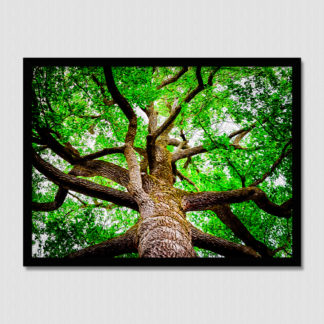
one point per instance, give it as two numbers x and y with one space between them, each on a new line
29 63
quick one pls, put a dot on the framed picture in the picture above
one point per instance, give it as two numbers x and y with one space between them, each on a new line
185 161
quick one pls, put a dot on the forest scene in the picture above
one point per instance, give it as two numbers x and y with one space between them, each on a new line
161 161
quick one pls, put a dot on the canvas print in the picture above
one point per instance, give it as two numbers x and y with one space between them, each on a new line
162 162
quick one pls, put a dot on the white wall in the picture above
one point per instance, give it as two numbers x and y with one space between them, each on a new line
43 28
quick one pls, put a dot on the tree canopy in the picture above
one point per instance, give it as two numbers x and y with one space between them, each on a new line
229 129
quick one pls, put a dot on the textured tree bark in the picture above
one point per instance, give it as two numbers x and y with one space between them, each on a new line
163 231
208 199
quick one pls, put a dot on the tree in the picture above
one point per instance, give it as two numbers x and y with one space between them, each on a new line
162 161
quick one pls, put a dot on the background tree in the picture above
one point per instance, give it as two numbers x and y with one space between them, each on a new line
162 161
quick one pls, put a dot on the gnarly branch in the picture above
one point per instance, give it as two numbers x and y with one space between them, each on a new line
188 153
174 114
144 162
135 180
225 214
207 199
151 138
283 154
221 246
199 87
66 152
69 153
199 149
177 109
174 78
116 246
83 186
110 171
122 102
50 206
134 169
104 169
283 210
152 115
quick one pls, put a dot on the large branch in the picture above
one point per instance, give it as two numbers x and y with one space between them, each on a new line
135 180
225 214
83 186
167 125
207 199
110 171
66 152
70 154
221 246
104 169
188 153
50 206
117 96
123 104
116 246
174 78
199 87
177 109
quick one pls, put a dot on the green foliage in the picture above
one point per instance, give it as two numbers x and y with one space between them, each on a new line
72 227
71 105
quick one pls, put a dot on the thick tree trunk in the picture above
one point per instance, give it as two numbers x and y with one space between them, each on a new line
163 231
